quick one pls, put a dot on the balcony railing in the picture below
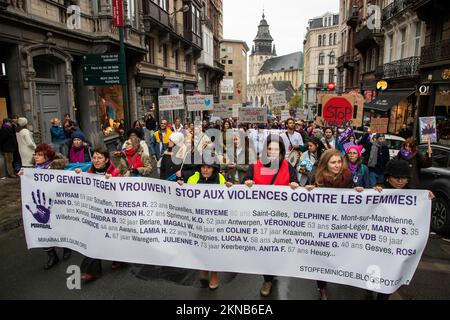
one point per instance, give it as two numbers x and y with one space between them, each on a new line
346 60
395 8
193 38
436 52
404 68
156 13
365 35
352 17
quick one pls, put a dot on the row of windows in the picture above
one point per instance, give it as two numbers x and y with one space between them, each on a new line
332 40
225 61
151 54
229 97
332 57
321 77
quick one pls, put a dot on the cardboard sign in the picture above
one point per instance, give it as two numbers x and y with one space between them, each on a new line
172 102
200 103
341 111
379 125
279 99
252 115
223 111
428 129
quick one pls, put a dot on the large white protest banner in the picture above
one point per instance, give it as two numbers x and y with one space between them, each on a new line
252 115
200 103
369 240
172 102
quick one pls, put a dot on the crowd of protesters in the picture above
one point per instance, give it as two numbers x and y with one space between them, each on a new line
290 153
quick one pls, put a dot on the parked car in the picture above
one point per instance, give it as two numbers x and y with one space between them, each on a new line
394 143
437 179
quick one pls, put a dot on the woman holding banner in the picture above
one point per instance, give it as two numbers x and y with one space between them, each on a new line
45 157
102 165
271 169
134 162
332 172
208 173
397 175
360 171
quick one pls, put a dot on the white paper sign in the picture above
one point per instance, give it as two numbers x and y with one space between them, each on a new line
279 99
252 115
200 103
172 102
223 111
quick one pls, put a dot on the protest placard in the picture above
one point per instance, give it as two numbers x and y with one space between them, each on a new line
200 103
172 102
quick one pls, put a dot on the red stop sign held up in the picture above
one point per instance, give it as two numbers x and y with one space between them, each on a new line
337 111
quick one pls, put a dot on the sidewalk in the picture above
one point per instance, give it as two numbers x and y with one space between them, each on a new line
10 204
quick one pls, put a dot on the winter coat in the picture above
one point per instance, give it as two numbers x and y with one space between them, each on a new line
361 178
242 161
416 162
58 163
288 171
169 167
58 134
26 146
87 154
145 171
8 139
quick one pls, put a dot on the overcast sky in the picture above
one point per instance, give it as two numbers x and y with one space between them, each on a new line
288 20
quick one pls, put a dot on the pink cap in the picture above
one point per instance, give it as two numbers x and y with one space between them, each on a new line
355 147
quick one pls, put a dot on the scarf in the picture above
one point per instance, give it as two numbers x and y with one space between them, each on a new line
353 167
44 165
76 155
405 153
342 181
373 159
133 159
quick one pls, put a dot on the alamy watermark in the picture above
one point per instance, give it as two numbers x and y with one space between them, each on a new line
73 282
374 17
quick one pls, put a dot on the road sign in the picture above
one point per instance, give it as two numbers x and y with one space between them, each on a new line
102 70
105 58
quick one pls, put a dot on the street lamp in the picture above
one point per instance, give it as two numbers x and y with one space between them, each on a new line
185 9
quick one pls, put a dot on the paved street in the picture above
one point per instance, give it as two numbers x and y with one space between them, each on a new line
22 277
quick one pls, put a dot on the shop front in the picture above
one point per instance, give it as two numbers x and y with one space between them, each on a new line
435 100
399 106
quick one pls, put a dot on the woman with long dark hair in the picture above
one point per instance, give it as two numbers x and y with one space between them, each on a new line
271 169
332 172
45 158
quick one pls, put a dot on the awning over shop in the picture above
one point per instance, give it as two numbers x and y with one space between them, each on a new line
385 101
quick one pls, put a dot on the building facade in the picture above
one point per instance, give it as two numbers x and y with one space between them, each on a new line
321 52
42 53
210 69
234 84
380 57
268 72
